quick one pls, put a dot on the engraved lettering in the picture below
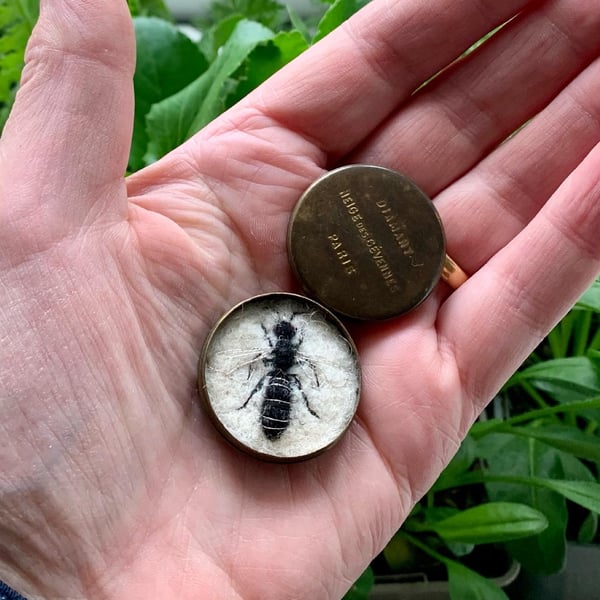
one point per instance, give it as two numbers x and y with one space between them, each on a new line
342 255
375 250
398 228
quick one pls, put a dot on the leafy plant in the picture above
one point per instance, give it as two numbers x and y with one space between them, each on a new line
268 12
149 8
236 52
17 18
527 480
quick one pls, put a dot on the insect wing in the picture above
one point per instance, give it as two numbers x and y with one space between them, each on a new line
238 364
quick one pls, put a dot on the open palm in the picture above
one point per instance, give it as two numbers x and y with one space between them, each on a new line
113 484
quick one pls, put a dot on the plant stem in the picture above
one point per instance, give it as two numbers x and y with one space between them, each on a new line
558 338
595 342
424 547
533 393
430 499
480 429
582 332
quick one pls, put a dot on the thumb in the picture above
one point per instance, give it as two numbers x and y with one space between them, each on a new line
66 143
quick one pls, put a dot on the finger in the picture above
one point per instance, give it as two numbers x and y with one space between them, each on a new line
70 127
327 101
337 92
455 121
505 191
501 313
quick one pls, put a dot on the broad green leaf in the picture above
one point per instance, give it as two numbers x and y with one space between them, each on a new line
581 407
491 522
166 62
266 12
564 437
134 7
591 299
149 8
175 119
576 470
362 586
545 552
336 14
584 493
155 8
298 24
465 584
212 39
513 486
267 58
588 530
565 379
16 23
460 463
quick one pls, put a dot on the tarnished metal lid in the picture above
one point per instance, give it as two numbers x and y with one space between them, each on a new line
366 242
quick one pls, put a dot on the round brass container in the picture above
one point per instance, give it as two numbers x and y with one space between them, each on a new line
279 377
366 242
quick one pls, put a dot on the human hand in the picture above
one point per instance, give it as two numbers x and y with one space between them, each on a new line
113 484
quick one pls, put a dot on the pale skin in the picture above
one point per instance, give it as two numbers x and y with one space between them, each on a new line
113 484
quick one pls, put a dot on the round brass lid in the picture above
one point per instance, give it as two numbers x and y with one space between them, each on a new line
279 377
366 242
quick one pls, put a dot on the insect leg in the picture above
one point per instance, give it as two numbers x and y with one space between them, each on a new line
266 332
257 388
304 397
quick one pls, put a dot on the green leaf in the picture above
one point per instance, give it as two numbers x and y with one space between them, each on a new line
166 62
362 586
591 299
465 584
17 19
483 428
564 437
588 530
545 552
298 24
574 469
134 7
154 8
212 39
584 493
177 118
491 522
336 14
565 379
267 58
267 12
460 463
